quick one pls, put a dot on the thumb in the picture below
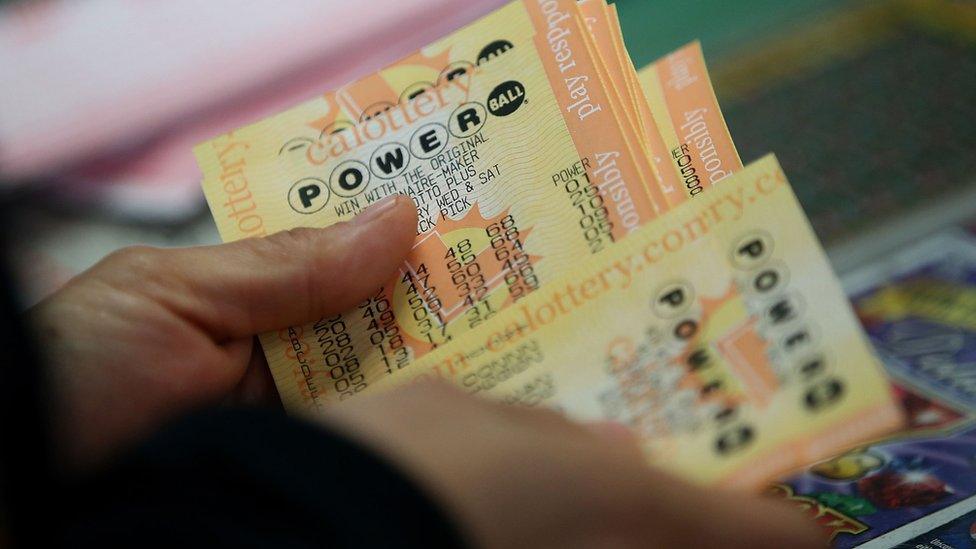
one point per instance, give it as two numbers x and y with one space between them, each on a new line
260 284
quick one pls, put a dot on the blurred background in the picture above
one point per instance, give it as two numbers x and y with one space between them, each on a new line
869 105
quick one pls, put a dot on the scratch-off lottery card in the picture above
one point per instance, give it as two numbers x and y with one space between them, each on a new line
871 491
917 309
932 533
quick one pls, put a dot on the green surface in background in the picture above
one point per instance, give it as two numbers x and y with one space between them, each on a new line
863 137
654 28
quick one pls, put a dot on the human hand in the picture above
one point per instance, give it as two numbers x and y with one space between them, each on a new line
148 334
521 477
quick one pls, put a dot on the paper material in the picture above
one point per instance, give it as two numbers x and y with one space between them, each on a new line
723 339
477 129
560 259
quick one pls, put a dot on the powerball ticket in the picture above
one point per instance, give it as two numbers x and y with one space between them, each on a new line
724 340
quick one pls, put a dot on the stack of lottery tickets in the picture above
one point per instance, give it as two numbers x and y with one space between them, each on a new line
588 240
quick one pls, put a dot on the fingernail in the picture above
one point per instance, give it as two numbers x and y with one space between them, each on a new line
376 210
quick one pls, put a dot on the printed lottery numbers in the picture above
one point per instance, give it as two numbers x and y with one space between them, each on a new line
506 244
384 331
335 344
469 281
425 306
588 202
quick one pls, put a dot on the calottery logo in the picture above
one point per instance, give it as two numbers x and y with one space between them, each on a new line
506 98
380 121
391 159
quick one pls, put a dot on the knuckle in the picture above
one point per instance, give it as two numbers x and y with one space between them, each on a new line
133 261
142 269
288 243
298 251
296 247
135 256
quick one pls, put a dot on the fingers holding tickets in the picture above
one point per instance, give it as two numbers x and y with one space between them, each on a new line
259 284
148 334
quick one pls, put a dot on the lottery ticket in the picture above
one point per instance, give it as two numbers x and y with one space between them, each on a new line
596 18
723 340
681 99
875 492
672 187
501 128
917 308
951 528
623 119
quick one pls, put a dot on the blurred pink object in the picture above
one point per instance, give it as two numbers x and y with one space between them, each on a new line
108 91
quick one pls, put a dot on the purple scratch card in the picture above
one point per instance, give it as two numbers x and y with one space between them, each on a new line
919 310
